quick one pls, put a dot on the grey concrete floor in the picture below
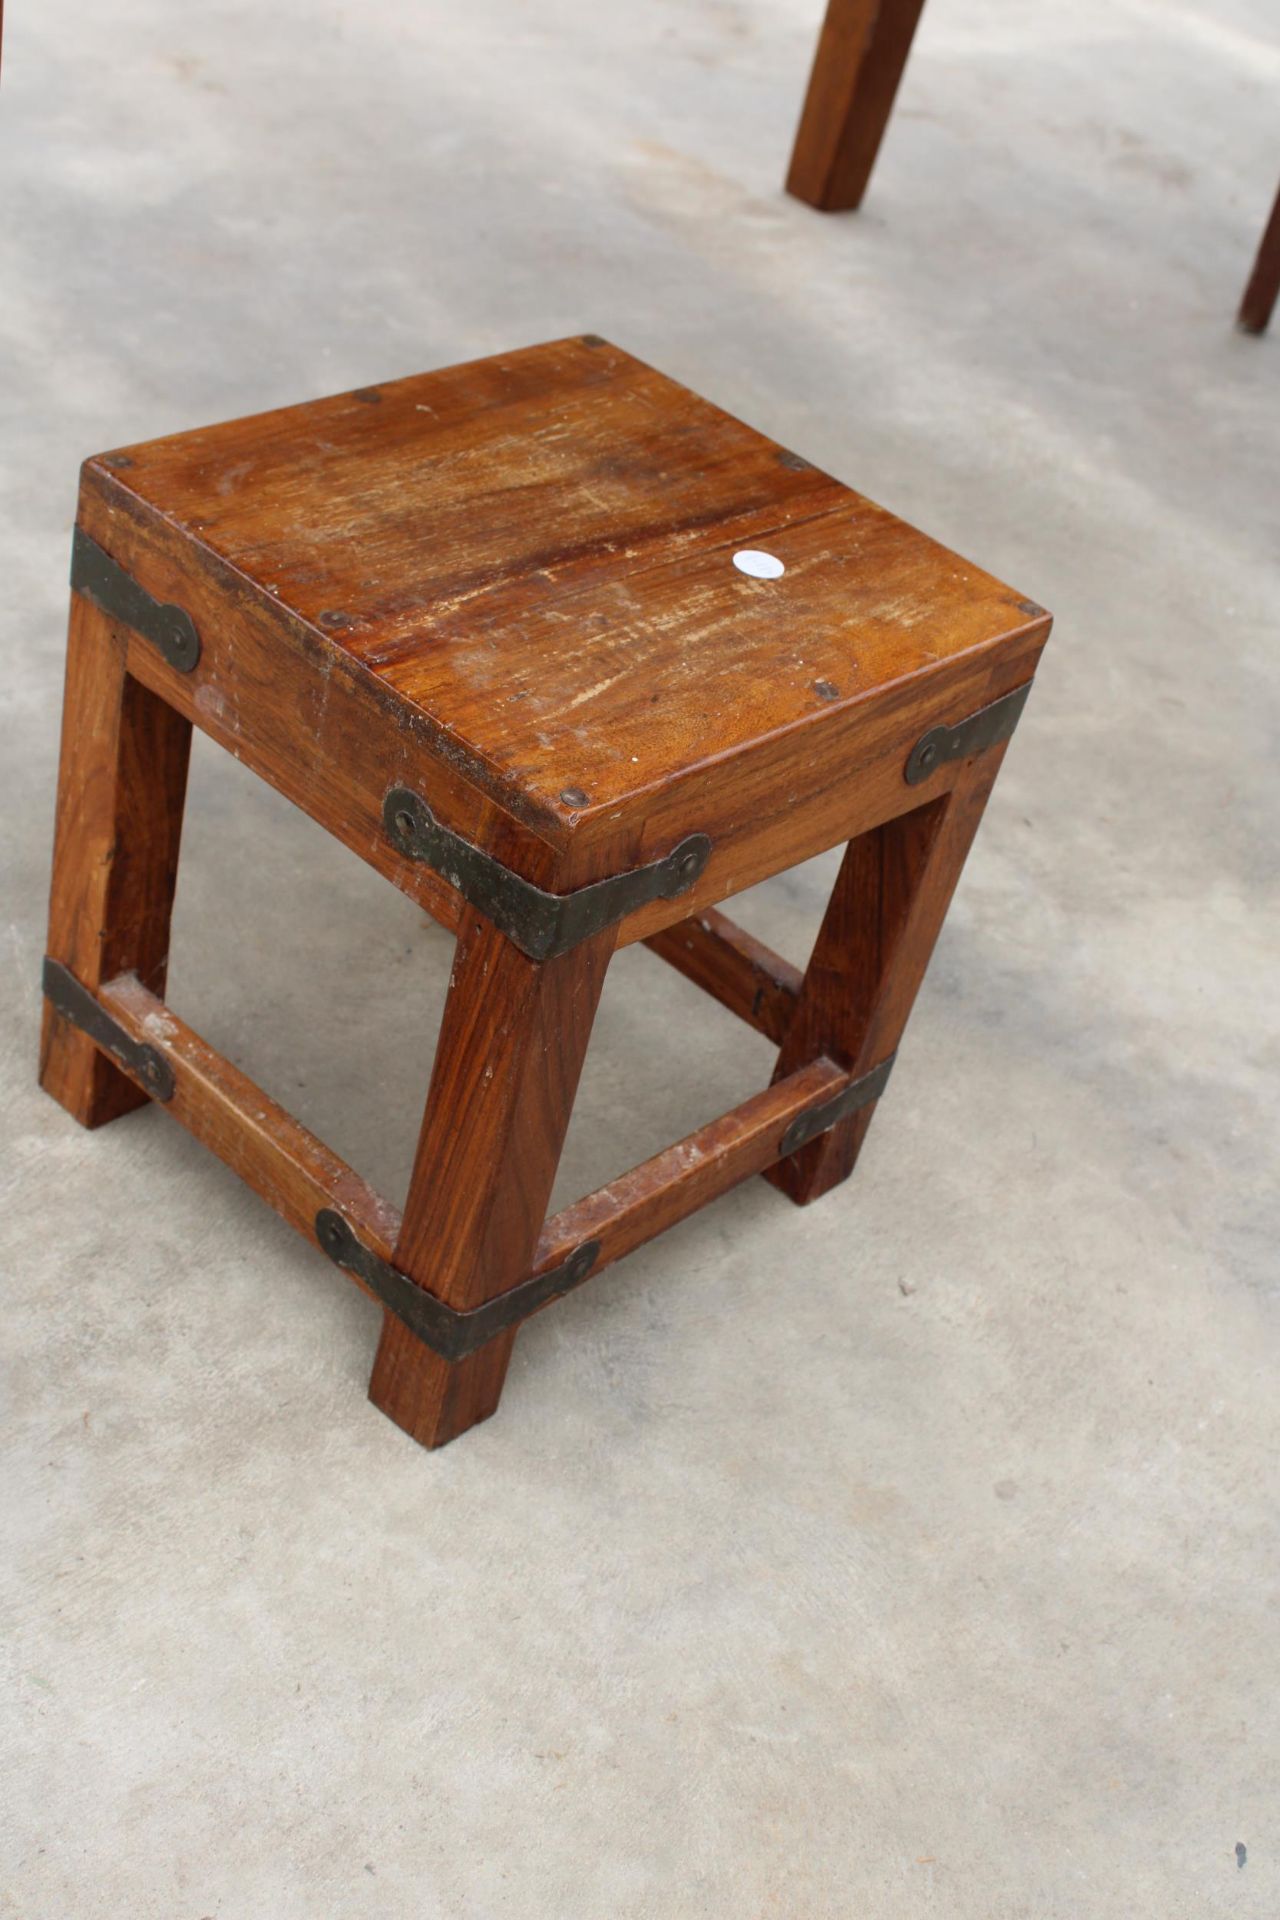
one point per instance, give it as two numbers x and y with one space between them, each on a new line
913 1554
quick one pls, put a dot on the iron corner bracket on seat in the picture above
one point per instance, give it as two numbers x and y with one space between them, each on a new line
170 629
543 925
988 727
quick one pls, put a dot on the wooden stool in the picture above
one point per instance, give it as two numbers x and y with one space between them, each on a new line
568 655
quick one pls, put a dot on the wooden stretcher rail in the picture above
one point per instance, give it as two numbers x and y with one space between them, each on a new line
298 1175
271 1151
735 968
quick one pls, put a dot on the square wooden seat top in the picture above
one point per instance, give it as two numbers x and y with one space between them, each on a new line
536 553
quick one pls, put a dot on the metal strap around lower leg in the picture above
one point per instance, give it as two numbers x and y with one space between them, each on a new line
859 1093
76 1004
541 924
448 1331
170 629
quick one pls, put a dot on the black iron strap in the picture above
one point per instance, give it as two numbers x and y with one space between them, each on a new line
454 1333
170 629
541 924
449 1331
985 728
76 1004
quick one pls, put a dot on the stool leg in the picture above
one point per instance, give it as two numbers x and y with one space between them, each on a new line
861 53
507 1063
121 785
885 913
1264 282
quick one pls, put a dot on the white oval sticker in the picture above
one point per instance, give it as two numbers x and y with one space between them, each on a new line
760 566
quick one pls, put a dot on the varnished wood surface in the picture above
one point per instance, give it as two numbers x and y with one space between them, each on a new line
509 587
859 941
508 1058
683 1178
307 717
873 949
298 1175
121 785
251 1133
792 798
534 553
862 50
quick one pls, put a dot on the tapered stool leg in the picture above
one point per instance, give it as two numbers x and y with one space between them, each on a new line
506 1071
885 913
1259 298
121 787
859 62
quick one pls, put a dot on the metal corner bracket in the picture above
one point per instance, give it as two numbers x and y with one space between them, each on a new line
452 1332
76 1004
859 1093
170 629
449 1331
543 925
988 727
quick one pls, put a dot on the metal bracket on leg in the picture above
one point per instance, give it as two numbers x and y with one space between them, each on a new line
449 1331
859 1093
76 1004
454 1333
170 629
541 924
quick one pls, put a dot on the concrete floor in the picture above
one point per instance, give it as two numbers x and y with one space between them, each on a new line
915 1554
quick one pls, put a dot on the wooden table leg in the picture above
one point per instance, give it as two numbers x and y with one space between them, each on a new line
507 1063
885 913
1264 281
861 53
121 786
